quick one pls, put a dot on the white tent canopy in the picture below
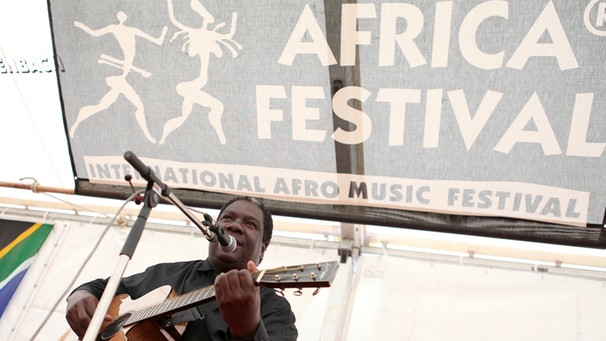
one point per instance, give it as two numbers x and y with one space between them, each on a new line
389 295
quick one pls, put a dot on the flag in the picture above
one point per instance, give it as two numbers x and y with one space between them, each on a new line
19 244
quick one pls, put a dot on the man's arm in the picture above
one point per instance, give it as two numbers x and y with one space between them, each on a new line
239 300
83 301
81 305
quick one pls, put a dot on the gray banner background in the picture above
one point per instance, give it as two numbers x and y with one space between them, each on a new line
264 27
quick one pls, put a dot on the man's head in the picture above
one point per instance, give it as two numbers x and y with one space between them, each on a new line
251 225
268 223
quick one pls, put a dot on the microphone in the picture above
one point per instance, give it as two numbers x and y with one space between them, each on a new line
146 172
226 241
216 234
230 245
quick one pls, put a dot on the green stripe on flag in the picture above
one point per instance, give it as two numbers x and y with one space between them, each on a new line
22 248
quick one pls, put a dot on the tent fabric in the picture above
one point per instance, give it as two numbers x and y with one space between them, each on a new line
73 255
407 299
391 297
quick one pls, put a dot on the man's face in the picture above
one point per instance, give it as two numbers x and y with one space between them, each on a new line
244 221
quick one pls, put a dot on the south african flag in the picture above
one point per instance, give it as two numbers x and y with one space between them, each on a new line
19 243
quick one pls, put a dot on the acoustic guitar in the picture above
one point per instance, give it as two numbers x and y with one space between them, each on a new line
139 319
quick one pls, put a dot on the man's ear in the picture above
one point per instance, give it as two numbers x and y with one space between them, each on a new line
263 248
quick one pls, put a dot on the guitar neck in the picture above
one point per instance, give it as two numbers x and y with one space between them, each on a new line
173 304
302 276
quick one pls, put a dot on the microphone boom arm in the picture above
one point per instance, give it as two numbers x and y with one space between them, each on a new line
161 188
201 225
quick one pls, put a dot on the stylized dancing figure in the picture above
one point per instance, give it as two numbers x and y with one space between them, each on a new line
201 43
118 85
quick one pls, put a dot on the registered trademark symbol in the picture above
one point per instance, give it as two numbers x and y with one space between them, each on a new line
595 17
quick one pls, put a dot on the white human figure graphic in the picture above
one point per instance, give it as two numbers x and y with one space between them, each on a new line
201 43
118 85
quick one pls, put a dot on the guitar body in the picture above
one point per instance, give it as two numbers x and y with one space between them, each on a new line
143 331
122 306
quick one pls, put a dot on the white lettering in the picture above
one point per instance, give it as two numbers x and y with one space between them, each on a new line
468 32
360 119
441 34
266 115
318 45
433 118
350 36
533 110
577 138
471 126
601 15
398 98
388 38
301 113
548 21
531 125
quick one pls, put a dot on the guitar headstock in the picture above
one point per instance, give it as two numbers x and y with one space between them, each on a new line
314 275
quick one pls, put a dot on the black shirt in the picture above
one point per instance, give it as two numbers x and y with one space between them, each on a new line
277 318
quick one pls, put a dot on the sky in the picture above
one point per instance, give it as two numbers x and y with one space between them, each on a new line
31 128
31 123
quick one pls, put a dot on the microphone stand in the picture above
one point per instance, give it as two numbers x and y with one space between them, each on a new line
128 249
155 187
211 231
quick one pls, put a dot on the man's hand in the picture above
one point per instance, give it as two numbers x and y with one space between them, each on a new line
81 307
239 301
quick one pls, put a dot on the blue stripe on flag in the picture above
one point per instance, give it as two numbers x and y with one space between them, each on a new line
7 291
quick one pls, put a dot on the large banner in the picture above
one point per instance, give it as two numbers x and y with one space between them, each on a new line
480 108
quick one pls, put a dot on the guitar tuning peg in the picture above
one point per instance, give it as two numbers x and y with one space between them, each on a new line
298 292
316 292
280 292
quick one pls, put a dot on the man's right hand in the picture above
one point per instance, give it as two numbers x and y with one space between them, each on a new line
81 307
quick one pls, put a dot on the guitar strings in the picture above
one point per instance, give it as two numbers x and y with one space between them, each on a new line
198 295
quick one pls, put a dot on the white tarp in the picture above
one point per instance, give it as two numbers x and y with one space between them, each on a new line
70 244
394 298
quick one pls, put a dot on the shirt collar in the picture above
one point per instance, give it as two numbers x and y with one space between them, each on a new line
205 267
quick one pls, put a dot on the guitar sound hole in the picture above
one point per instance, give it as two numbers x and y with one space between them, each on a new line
114 327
